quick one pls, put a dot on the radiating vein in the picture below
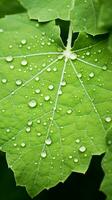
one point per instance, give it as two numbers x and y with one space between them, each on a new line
91 64
39 73
87 94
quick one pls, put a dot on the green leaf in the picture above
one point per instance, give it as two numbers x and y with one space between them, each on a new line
53 101
10 7
107 166
105 14
84 15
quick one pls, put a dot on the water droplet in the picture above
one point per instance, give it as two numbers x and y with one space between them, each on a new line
19 82
109 142
37 91
15 145
91 75
108 119
24 62
104 67
32 103
37 78
38 121
76 160
23 144
69 111
11 66
39 134
77 141
96 60
9 58
82 149
63 83
47 98
70 157
1 30
30 123
23 41
79 75
4 80
48 141
73 56
51 87
87 53
28 129
43 154
7 130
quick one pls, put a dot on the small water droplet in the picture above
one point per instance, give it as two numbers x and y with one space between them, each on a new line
48 141
47 98
32 103
69 111
76 160
70 157
91 75
23 41
63 83
28 129
82 149
9 58
23 144
30 123
109 142
77 141
104 67
11 66
73 56
1 30
88 53
37 78
51 87
79 75
4 80
15 145
8 130
39 134
108 119
43 154
24 62
19 82
37 91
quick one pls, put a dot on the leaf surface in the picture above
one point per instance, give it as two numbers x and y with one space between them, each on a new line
84 15
53 103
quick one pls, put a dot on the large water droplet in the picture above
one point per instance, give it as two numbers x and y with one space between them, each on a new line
108 119
9 58
43 154
82 149
47 98
69 111
37 91
24 62
28 129
23 144
48 141
18 82
23 41
91 75
32 103
76 160
51 87
30 123
4 80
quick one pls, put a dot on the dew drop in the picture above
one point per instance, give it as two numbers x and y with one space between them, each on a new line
37 91
4 80
24 62
76 160
1 30
39 134
91 75
7 130
23 144
19 82
104 67
47 98
108 119
79 75
30 123
70 157
23 41
73 56
109 142
69 111
15 145
11 66
88 53
32 103
37 79
82 149
48 141
77 141
9 58
63 83
43 154
51 87
28 129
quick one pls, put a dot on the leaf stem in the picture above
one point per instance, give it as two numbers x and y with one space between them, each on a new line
69 40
